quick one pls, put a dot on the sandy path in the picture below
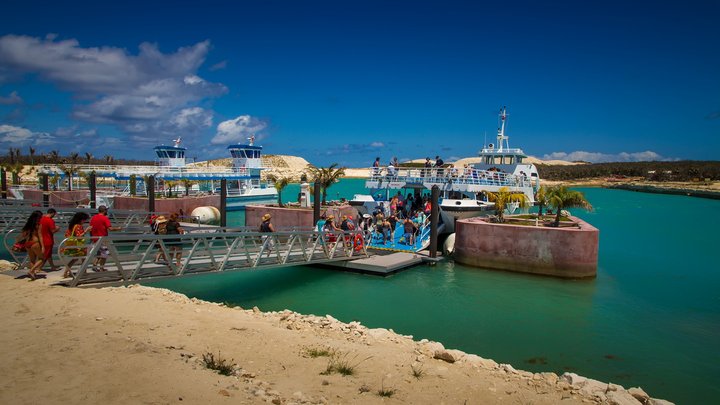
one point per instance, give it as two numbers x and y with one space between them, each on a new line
141 345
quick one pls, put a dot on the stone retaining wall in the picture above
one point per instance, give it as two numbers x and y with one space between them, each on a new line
559 252
66 199
288 217
169 205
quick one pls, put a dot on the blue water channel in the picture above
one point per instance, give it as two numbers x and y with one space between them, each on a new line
651 318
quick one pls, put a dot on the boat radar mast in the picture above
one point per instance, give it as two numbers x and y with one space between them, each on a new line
177 141
251 140
501 131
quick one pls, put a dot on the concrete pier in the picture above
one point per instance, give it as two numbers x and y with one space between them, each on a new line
570 252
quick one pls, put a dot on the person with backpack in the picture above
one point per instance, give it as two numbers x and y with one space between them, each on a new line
267 227
173 227
159 227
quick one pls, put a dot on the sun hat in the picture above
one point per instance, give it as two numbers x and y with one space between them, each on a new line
266 217
161 219
367 216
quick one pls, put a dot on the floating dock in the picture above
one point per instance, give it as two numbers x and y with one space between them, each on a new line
386 264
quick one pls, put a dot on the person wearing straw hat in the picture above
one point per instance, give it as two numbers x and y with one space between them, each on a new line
159 227
267 227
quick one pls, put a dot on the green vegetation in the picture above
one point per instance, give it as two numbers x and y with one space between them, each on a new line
418 371
341 365
222 366
326 176
562 197
280 183
502 198
686 170
385 392
315 352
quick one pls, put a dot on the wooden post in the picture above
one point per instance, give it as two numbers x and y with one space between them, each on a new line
316 203
223 203
434 217
150 188
3 183
46 190
93 189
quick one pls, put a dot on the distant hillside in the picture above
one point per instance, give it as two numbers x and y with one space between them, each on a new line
688 170
279 165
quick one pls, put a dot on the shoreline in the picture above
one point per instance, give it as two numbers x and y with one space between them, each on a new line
154 338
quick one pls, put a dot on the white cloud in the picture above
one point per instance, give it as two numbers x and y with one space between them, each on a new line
218 66
377 145
237 130
136 93
11 99
18 136
598 157
194 117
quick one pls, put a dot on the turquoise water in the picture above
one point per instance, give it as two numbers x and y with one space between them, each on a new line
650 319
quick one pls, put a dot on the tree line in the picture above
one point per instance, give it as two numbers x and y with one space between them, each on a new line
33 157
685 170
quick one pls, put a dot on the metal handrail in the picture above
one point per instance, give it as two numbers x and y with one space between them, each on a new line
131 257
448 176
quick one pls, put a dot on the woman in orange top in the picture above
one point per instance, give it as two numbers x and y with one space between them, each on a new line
75 229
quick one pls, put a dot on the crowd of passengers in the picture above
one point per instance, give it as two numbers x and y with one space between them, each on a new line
410 212
437 168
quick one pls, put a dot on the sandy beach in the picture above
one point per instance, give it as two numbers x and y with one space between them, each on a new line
145 345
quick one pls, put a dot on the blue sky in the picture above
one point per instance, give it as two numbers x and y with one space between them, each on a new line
346 81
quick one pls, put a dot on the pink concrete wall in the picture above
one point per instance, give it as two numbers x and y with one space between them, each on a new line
287 217
560 252
59 198
167 204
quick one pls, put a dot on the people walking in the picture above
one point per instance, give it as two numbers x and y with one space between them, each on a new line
267 227
174 245
73 235
100 225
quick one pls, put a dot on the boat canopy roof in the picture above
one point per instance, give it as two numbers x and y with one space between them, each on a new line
165 147
244 146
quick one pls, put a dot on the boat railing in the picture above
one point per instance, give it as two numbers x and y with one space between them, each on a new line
145 170
449 175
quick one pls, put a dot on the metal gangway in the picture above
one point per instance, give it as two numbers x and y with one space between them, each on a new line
132 258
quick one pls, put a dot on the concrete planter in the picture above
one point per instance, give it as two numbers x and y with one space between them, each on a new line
558 252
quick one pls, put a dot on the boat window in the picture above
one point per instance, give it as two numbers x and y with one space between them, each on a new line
519 159
171 153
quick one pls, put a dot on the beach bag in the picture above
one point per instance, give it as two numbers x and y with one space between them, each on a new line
73 240
162 229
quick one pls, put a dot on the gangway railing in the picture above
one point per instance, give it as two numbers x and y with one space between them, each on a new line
132 258
15 217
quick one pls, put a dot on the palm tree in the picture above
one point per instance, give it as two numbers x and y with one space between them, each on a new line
71 168
561 197
54 157
326 176
88 157
280 183
503 197
108 159
541 198
32 155
187 183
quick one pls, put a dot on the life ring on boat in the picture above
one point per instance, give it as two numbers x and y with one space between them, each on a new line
358 242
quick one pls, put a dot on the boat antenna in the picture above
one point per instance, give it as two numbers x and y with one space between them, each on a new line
177 141
501 131
251 139
485 140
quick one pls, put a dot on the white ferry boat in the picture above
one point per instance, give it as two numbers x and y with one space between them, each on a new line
244 184
463 190
247 158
